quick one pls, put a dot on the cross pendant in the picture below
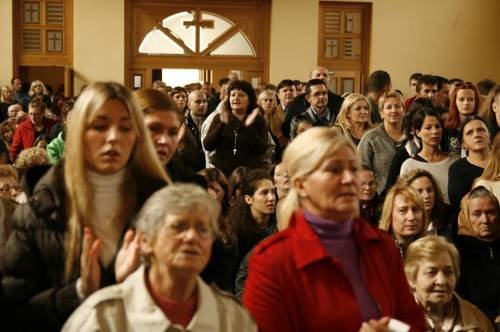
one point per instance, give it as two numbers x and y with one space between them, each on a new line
234 151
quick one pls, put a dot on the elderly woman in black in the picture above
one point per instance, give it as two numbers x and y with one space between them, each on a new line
478 242
238 134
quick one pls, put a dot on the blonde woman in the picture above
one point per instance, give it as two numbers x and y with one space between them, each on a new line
403 216
65 243
38 89
432 267
490 179
379 145
353 120
5 101
328 270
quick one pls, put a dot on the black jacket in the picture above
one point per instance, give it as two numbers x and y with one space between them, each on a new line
300 105
33 282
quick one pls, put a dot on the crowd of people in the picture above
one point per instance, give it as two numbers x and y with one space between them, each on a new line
281 208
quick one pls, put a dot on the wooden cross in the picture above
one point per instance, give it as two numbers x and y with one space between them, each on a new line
31 10
331 48
197 21
54 38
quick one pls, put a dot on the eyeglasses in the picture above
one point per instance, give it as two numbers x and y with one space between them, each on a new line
178 228
6 189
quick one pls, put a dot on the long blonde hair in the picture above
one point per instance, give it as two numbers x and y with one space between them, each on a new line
143 161
492 170
305 155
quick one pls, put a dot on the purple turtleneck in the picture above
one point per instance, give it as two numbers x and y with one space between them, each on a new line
338 240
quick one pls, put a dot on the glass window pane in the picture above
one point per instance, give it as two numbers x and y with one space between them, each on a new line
156 42
182 26
208 35
236 45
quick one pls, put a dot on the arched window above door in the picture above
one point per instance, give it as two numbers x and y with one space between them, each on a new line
196 33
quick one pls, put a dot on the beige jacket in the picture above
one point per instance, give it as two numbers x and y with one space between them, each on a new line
469 319
129 307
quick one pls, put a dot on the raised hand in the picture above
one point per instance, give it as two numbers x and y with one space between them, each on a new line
128 258
90 270
251 118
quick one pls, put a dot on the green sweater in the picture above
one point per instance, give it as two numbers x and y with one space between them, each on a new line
55 148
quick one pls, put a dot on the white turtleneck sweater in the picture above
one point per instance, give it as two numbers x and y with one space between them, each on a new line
106 190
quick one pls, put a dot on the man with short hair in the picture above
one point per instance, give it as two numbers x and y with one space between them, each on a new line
18 95
30 129
427 87
300 103
215 100
379 83
413 87
190 149
287 91
484 86
317 112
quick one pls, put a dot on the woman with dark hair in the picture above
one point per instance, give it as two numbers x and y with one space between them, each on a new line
427 127
478 242
252 217
238 134
179 95
465 101
225 259
435 207
475 140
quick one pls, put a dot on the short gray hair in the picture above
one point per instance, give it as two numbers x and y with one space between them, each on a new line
176 198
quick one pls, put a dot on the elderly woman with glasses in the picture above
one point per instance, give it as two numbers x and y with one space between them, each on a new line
432 266
177 225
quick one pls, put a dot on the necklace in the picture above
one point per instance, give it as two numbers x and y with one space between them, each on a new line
235 142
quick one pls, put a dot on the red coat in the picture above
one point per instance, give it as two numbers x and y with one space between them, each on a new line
294 285
24 136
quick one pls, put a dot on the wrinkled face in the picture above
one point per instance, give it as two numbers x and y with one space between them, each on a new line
476 136
12 111
435 281
368 185
483 218
164 128
198 103
431 132
17 85
332 190
393 111
358 113
268 103
321 73
263 200
109 138
318 97
239 101
180 100
9 187
407 218
35 115
466 101
413 86
183 244
428 91
286 95
281 178
217 190
7 94
423 185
